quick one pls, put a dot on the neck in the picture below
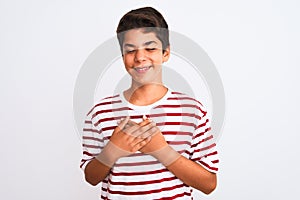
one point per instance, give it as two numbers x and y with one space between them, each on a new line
146 94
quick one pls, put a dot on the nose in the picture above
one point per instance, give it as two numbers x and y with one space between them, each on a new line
140 55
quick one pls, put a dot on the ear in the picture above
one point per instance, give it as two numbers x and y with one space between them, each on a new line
166 54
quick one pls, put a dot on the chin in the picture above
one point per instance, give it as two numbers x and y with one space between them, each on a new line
145 82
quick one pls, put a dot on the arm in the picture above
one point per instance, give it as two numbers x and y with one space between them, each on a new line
188 171
193 175
95 172
123 142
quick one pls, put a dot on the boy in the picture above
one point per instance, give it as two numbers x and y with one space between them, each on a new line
148 142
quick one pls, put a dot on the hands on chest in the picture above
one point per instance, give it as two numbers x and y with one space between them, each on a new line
144 136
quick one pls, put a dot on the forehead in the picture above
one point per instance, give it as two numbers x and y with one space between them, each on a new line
138 37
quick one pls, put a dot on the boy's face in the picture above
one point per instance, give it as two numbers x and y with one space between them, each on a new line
143 56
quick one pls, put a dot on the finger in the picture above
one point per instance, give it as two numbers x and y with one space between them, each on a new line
129 130
123 123
143 129
141 144
131 123
152 131
144 122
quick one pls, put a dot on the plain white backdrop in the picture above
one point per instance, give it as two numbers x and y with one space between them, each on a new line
254 45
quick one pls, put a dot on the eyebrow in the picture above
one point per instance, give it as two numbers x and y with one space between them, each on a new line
145 44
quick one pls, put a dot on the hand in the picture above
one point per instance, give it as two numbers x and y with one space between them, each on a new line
126 139
157 146
156 143
157 139
159 149
130 137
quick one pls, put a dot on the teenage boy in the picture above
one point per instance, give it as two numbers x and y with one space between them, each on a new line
148 142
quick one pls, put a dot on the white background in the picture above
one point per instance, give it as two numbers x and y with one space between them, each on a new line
254 45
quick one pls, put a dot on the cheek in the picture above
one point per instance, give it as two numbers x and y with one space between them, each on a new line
157 59
126 59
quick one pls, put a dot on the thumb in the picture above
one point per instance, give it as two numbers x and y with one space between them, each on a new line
123 123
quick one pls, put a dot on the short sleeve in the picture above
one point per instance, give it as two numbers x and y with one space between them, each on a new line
203 148
92 140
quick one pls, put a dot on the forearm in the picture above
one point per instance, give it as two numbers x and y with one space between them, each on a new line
95 172
122 143
100 166
193 175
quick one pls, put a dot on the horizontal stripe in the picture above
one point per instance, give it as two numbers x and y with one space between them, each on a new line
203 124
117 118
211 154
142 182
176 123
139 173
173 92
110 110
146 192
108 103
176 196
184 98
214 153
208 166
215 161
203 140
136 163
92 138
114 96
149 116
109 128
174 115
179 142
105 181
176 133
137 154
182 106
206 148
206 155
103 103
90 154
202 133
83 161
91 146
92 130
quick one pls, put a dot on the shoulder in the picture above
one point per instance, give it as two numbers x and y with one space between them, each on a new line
184 97
187 101
105 103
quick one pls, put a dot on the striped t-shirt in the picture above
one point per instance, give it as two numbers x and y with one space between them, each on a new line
184 123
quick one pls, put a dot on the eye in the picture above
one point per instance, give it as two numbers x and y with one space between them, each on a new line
150 49
129 51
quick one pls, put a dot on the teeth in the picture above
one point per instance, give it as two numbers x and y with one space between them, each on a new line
140 69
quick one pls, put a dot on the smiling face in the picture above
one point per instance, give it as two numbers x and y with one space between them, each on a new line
143 57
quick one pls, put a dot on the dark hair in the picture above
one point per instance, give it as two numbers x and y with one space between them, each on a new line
147 18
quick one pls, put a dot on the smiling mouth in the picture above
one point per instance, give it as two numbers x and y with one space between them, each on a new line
142 69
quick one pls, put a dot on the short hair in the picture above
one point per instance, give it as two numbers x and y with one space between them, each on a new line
146 18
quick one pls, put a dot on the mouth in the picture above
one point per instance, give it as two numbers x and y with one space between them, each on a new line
142 69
